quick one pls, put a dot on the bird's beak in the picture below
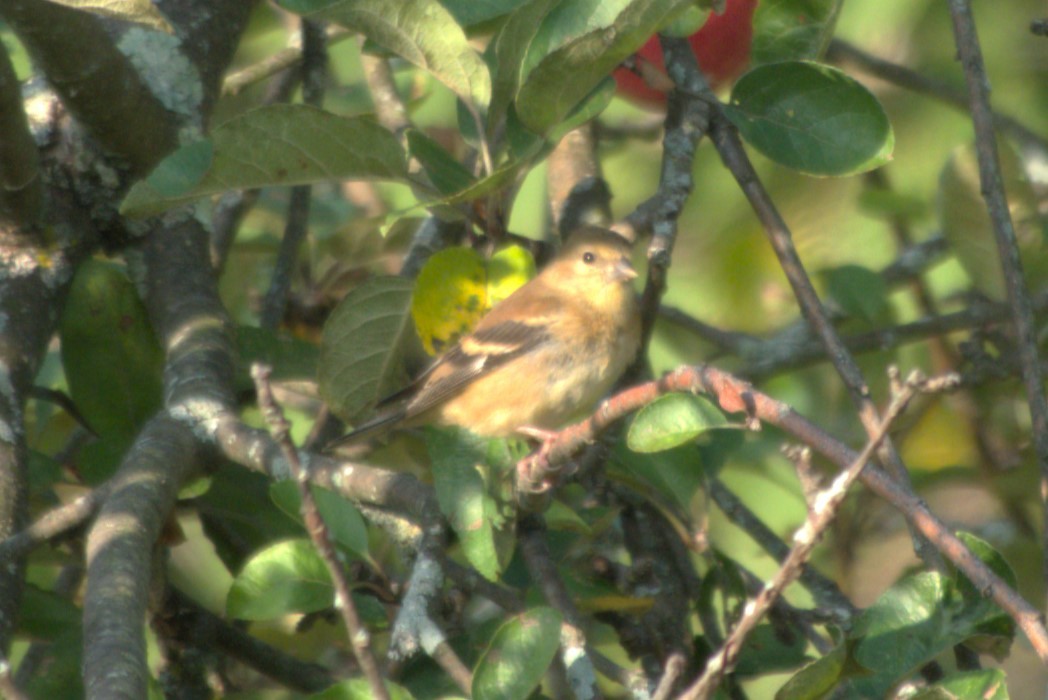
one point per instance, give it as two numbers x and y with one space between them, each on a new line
624 271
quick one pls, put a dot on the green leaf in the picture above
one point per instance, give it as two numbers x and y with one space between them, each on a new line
447 174
468 473
287 577
518 656
576 46
359 689
511 46
903 629
112 360
791 30
859 291
817 679
422 32
993 559
811 118
457 286
966 223
137 11
671 421
450 297
239 516
470 13
687 22
61 678
985 684
290 358
508 269
917 619
994 629
270 146
47 615
362 344
769 651
342 519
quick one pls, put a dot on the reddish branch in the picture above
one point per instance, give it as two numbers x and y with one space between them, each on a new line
541 470
823 509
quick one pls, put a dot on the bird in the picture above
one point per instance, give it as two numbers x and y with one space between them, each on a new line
544 355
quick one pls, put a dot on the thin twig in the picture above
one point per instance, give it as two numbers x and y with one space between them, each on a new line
729 146
576 654
414 626
358 634
820 516
186 620
675 666
271 65
54 523
825 592
314 73
1004 234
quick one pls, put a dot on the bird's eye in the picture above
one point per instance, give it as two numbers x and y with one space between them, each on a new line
588 258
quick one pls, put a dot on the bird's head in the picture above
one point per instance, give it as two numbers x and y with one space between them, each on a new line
592 260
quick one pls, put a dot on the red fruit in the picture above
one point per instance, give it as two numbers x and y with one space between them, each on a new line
722 47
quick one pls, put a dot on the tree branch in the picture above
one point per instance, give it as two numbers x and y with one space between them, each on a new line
359 637
1004 235
97 82
21 192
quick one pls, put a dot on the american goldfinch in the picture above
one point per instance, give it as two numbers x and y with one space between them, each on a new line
545 354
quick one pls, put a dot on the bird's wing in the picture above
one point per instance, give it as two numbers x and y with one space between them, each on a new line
474 356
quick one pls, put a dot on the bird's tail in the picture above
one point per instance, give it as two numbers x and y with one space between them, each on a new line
379 423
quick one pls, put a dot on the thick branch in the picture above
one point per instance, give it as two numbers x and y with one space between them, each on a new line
119 558
96 81
182 299
20 191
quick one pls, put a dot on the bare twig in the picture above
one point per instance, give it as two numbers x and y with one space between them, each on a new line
360 639
1004 234
578 657
55 523
825 592
314 73
820 516
271 65
389 108
675 666
575 184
